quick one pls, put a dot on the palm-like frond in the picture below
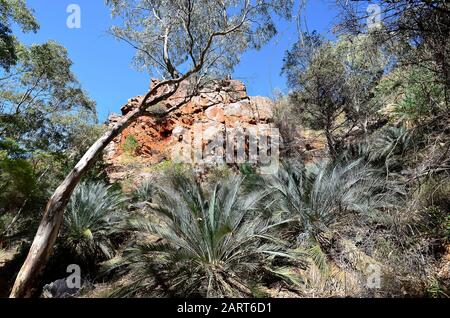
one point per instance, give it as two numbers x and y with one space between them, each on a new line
209 242
319 195
391 141
144 192
92 214
383 149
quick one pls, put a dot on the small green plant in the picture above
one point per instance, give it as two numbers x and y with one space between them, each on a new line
92 216
320 196
436 223
210 243
130 146
435 288
144 192
259 292
168 166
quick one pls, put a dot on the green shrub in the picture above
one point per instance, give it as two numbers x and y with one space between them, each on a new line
92 216
318 196
170 167
17 178
209 245
131 145
5 221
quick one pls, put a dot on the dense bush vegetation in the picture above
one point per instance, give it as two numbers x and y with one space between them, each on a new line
93 215
210 242
375 202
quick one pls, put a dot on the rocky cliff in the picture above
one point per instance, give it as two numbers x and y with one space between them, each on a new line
222 107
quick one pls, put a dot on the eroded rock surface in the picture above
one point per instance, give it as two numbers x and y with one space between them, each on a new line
215 110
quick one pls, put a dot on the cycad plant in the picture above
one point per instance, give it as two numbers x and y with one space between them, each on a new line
144 192
208 243
319 196
390 142
383 148
92 216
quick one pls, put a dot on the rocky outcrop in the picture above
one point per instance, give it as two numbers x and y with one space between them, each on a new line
197 120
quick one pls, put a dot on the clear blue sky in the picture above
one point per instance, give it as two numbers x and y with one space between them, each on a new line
103 64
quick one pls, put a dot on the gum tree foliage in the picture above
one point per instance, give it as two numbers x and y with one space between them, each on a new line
13 11
41 101
417 33
417 30
333 84
172 37
181 41
17 178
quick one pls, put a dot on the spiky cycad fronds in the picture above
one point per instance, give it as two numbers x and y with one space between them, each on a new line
319 195
322 197
209 243
391 141
93 213
383 149
144 192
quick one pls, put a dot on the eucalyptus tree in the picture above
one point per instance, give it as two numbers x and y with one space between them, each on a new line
41 100
333 84
13 11
180 41
417 30
41 106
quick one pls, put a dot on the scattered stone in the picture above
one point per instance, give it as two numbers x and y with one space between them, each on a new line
59 289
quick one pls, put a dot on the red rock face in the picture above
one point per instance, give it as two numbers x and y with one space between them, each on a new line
223 106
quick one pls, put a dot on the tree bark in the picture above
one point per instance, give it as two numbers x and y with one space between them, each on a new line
42 246
331 142
48 230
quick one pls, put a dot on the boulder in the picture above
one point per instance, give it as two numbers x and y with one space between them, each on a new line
210 113
59 289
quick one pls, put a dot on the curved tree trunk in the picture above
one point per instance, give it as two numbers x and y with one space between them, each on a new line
42 246
45 238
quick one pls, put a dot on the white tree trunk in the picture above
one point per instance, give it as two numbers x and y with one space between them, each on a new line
40 251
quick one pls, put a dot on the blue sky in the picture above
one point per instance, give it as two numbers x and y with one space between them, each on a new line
103 64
